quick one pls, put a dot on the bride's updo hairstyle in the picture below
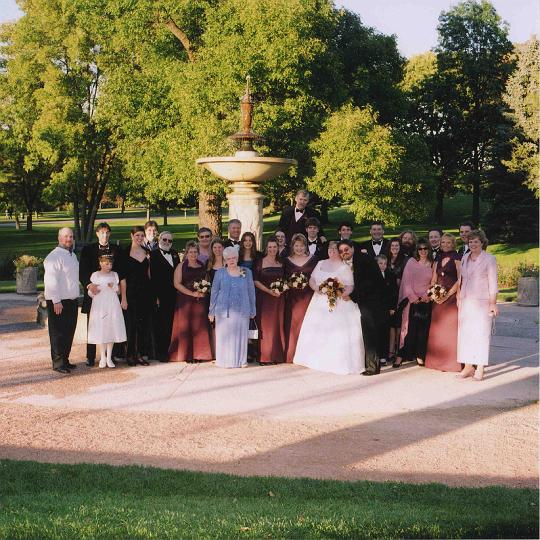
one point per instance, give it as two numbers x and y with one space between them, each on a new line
299 237
333 244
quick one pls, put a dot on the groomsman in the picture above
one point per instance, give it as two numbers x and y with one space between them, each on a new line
369 289
62 293
434 238
293 219
345 230
151 231
163 262
464 229
234 229
88 265
315 245
377 245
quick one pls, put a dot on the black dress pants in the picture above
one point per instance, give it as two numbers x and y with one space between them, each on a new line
163 319
370 333
61 331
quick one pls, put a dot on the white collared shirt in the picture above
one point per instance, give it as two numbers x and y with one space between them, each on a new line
298 213
167 256
376 247
61 275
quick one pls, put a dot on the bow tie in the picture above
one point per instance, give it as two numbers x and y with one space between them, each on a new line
103 248
298 210
235 242
376 242
164 251
311 242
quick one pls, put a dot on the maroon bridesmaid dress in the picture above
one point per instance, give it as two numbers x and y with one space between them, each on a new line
296 304
191 338
442 341
270 316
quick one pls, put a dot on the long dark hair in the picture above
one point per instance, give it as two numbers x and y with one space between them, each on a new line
268 240
253 250
421 242
400 258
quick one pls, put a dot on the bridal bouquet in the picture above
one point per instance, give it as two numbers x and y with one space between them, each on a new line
202 286
298 280
333 289
436 293
279 285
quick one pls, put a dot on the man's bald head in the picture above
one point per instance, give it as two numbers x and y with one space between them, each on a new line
65 238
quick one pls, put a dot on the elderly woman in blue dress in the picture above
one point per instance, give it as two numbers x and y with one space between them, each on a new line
232 304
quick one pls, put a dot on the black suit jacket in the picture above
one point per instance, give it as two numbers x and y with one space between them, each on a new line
289 225
369 286
88 264
321 250
161 275
391 290
368 246
229 243
461 251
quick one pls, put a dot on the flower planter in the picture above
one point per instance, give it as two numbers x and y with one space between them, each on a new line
27 280
527 291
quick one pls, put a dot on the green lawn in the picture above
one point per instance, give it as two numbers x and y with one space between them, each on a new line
99 501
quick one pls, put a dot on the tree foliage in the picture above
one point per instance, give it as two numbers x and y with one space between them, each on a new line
383 173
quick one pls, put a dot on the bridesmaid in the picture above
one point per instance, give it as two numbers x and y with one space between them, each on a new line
190 340
477 305
139 300
442 342
247 254
297 300
270 306
282 244
396 264
215 262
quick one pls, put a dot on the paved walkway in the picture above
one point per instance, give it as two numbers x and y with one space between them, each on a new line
411 424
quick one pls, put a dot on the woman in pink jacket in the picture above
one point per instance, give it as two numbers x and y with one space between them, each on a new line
477 306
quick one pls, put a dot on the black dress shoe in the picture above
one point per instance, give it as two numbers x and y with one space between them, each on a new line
164 360
71 366
369 373
142 362
90 363
61 369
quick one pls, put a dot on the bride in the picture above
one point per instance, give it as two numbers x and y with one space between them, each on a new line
331 341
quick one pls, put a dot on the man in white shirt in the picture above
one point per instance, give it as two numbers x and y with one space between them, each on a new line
62 293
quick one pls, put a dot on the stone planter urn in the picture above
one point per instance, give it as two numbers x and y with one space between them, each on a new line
527 294
27 280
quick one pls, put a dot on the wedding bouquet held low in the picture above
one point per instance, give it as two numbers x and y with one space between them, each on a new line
280 285
298 280
333 289
202 286
437 293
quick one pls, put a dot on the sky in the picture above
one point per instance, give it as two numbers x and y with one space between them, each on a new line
414 22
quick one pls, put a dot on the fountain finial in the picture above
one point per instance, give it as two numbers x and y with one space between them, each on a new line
245 136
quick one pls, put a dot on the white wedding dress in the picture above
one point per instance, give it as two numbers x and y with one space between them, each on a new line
331 341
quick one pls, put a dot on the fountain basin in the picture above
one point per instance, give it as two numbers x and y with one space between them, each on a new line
246 167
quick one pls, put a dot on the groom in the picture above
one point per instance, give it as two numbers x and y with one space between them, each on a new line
368 293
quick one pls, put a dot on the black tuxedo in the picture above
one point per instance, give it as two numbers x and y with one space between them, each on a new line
321 250
389 302
368 246
230 243
289 225
88 264
435 254
161 279
368 293
461 251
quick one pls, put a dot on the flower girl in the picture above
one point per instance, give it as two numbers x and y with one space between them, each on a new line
106 325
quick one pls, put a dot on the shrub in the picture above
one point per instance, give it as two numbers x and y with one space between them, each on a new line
7 268
509 275
26 261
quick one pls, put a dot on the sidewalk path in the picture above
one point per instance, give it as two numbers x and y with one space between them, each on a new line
411 424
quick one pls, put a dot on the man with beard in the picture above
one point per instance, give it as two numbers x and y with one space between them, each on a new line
368 293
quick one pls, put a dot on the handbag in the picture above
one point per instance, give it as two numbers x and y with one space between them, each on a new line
253 332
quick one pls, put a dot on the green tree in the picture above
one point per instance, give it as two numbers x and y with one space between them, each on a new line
472 53
523 97
381 172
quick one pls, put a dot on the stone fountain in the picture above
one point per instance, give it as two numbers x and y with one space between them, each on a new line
246 171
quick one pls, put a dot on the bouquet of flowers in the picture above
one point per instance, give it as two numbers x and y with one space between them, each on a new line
202 286
298 280
436 293
279 285
333 289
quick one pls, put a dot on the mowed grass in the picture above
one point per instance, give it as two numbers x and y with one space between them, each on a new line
99 501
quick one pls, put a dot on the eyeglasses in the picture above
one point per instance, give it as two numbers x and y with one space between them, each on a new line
423 249
167 240
205 236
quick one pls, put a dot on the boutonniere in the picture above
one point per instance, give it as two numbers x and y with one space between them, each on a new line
242 272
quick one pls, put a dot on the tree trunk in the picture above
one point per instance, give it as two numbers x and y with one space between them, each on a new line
165 215
476 189
147 212
210 212
17 222
439 206
76 219
324 212
29 219
123 207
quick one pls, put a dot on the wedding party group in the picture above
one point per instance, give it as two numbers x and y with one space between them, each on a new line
332 305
